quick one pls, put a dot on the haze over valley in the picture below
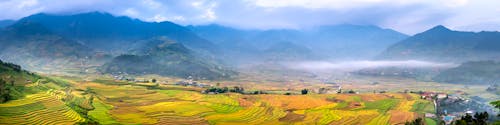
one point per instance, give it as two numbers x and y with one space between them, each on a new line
96 65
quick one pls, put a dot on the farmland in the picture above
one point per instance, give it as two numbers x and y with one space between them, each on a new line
110 102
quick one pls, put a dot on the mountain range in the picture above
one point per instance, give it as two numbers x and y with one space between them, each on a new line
105 32
445 45
73 43
336 42
112 44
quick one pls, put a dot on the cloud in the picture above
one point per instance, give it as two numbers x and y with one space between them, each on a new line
328 4
357 65
407 16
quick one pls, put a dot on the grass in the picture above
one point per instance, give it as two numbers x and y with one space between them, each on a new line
382 105
293 101
182 108
341 105
380 120
101 113
423 106
135 118
20 109
405 105
250 115
219 99
182 95
329 116
429 121
223 108
110 82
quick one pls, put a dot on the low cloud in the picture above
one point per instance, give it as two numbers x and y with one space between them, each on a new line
357 65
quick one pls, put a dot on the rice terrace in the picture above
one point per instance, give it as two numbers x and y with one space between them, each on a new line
249 62
108 102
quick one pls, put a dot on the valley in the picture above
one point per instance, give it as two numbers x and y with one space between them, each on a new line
99 68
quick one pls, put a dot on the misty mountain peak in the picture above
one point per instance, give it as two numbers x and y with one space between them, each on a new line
438 28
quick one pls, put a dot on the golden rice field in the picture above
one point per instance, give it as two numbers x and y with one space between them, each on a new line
131 104
42 108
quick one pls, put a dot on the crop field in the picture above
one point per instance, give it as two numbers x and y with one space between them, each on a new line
127 103
40 108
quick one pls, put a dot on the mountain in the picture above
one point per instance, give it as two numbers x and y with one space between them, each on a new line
443 44
331 42
35 47
351 41
287 51
84 42
5 23
112 34
166 58
475 72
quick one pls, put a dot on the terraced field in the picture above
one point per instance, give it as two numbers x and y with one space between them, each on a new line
42 108
126 103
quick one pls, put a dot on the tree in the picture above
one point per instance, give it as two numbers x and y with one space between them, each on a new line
480 118
153 80
304 91
237 89
351 91
417 121
4 91
225 89
496 104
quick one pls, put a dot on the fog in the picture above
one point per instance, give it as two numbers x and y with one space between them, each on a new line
357 65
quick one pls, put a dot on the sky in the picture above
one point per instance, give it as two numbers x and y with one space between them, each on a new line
406 16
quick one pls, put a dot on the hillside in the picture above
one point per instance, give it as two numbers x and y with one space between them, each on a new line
5 23
27 98
108 33
39 49
479 72
287 51
166 58
12 81
443 44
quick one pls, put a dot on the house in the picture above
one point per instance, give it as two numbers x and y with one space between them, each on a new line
442 95
427 95
336 87
430 115
448 119
328 90
460 92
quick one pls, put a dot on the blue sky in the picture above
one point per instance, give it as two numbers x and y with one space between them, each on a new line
407 16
